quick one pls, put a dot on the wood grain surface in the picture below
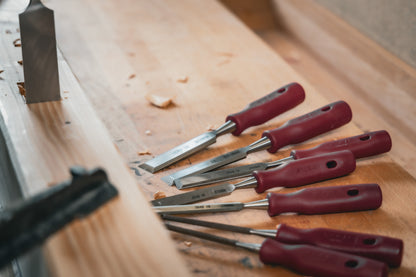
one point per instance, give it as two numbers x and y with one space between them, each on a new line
122 50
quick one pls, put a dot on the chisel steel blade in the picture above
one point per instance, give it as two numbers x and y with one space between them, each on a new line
219 175
188 148
208 165
204 208
40 63
196 195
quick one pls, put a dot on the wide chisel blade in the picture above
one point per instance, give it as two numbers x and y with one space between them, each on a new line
201 208
195 196
208 165
186 149
40 63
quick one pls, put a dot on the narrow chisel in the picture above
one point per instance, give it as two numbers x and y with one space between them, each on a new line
256 113
364 145
382 248
294 131
305 201
293 174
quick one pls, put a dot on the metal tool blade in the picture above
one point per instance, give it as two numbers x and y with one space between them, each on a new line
195 196
219 175
40 63
179 152
202 208
208 165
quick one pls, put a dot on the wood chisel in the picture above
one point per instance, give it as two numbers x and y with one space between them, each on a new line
294 131
40 62
293 174
305 201
305 259
364 145
382 248
256 113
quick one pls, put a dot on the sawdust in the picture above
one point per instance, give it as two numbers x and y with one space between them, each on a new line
17 42
148 133
145 152
183 79
22 90
20 62
159 194
188 243
132 76
1 71
8 32
159 101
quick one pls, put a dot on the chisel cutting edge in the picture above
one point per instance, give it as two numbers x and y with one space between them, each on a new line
364 145
294 131
293 174
256 113
305 201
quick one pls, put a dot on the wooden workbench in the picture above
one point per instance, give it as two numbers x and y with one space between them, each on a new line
122 50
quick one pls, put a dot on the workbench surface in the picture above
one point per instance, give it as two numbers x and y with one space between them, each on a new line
212 65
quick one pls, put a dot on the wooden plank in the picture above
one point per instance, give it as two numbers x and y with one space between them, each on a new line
227 66
123 238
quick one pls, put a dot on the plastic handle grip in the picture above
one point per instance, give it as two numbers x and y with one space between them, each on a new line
365 145
309 125
268 107
314 261
306 171
326 200
385 249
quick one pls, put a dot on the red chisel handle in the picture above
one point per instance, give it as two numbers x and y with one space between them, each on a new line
309 125
365 145
385 249
326 200
306 171
267 107
314 261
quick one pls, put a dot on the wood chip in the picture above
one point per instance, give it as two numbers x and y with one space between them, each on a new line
148 133
20 62
159 101
183 79
145 152
22 90
132 76
188 243
17 42
159 194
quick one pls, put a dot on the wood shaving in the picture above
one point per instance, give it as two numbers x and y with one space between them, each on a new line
65 91
159 101
188 243
132 76
183 79
17 42
145 152
159 194
20 62
8 32
148 133
22 90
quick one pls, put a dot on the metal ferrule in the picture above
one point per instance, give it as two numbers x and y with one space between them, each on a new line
258 145
247 183
249 246
225 128
264 233
264 203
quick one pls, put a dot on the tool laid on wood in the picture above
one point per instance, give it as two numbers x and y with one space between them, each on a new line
364 145
30 222
40 63
294 131
256 113
305 201
382 248
293 174
305 259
